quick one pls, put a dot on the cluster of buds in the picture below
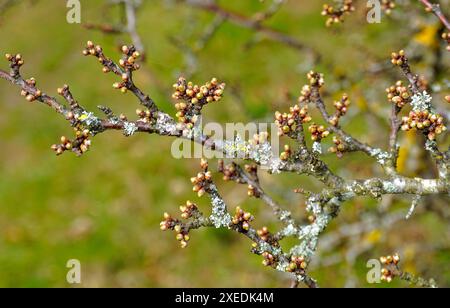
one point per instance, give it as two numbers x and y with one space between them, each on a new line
29 96
65 145
203 179
264 234
181 236
336 16
391 263
341 109
170 223
286 154
446 37
192 98
242 219
269 259
399 58
305 95
398 94
387 6
230 172
431 124
144 115
128 60
201 182
260 138
288 123
298 263
92 49
127 63
318 132
188 210
315 79
129 57
338 148
16 60
80 145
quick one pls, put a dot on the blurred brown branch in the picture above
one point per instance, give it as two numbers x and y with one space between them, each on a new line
304 156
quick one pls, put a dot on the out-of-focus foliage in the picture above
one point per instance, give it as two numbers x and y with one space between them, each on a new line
104 208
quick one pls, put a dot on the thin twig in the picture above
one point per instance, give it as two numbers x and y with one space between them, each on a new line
436 9
253 24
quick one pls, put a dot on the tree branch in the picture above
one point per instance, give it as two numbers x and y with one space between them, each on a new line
436 9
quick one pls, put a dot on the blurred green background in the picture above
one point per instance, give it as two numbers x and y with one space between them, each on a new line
104 208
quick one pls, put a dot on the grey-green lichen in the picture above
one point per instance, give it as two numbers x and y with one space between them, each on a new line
129 128
317 148
421 102
90 121
381 156
310 237
165 125
219 216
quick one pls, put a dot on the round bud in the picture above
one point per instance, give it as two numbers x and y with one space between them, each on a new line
64 139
